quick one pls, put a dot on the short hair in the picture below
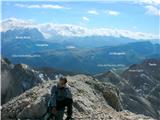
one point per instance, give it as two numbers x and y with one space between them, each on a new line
63 78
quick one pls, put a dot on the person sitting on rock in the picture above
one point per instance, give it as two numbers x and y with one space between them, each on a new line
61 97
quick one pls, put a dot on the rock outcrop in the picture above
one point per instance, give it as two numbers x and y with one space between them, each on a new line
91 99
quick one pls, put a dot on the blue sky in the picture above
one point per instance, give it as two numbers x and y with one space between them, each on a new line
128 15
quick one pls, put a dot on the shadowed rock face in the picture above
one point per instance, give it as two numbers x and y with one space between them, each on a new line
90 102
145 79
18 78
145 76
139 87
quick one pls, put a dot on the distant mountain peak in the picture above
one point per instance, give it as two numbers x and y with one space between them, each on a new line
14 23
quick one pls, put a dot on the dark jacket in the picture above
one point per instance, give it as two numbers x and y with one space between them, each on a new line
60 94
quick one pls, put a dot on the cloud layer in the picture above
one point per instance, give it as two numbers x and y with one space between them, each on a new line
150 2
152 10
152 6
50 30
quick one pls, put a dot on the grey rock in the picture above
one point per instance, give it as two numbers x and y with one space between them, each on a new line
89 102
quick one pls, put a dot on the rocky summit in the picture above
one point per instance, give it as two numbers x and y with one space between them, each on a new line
93 100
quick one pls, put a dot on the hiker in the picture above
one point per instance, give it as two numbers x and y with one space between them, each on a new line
61 97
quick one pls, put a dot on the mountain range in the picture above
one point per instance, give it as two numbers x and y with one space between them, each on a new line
90 55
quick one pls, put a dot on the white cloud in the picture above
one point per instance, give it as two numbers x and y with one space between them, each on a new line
112 12
45 6
67 30
150 2
94 12
152 6
85 18
152 10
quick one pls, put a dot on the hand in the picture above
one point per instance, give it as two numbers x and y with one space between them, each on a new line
54 111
